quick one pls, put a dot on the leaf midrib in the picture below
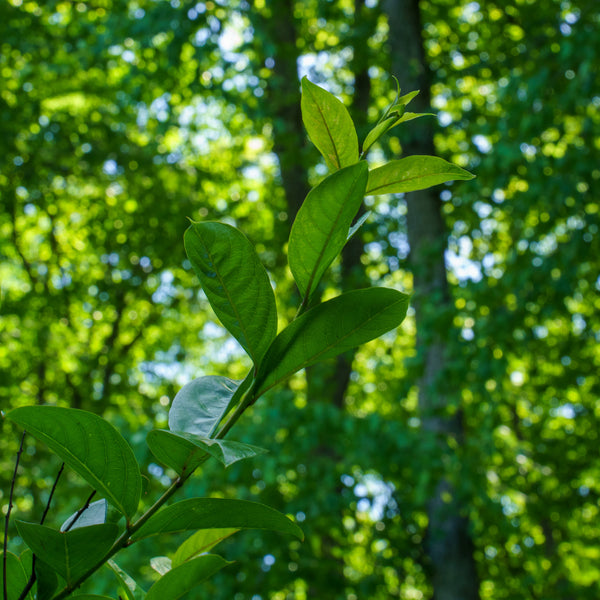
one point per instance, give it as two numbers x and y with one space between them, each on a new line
407 179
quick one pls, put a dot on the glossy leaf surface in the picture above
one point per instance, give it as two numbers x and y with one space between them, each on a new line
91 446
185 451
329 329
413 173
329 126
200 542
320 230
235 283
212 513
186 577
70 554
94 514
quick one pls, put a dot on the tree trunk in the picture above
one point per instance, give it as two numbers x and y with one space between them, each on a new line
449 545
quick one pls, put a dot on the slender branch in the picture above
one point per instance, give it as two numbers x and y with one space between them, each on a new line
6 521
33 576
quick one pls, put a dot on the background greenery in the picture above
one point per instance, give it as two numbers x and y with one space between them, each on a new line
119 119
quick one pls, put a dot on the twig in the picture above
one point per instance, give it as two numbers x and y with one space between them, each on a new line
33 576
6 521
80 511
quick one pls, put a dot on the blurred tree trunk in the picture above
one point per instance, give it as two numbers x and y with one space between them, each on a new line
450 548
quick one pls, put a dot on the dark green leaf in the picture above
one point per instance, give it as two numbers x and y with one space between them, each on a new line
215 513
185 451
235 283
329 126
330 329
131 589
186 577
46 580
72 553
16 577
200 542
94 514
200 405
413 173
91 447
322 224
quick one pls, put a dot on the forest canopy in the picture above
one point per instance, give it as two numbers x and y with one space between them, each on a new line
463 442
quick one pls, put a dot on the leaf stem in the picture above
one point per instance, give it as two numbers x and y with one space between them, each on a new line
6 521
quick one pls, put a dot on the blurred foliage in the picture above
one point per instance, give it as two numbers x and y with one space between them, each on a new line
119 119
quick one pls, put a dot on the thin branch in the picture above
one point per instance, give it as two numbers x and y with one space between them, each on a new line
80 511
6 521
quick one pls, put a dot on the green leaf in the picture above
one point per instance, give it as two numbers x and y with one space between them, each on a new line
214 513
413 173
320 230
16 577
94 514
329 126
91 447
72 553
185 451
330 329
46 580
200 405
129 586
378 131
26 558
186 577
200 542
235 283
91 597
161 564
409 116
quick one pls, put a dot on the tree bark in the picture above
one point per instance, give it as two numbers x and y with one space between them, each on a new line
449 545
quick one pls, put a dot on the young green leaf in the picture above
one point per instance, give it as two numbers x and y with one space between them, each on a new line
200 542
213 513
161 564
94 514
185 451
320 230
329 126
235 283
72 553
200 405
329 329
413 173
129 586
16 577
186 577
91 447
359 223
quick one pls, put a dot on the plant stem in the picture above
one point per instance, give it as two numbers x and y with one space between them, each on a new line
7 519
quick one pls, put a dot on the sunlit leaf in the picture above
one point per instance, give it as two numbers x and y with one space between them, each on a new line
213 513
329 329
90 446
161 564
320 230
413 173
359 223
329 126
185 451
235 283
94 514
200 542
200 405
186 577
71 553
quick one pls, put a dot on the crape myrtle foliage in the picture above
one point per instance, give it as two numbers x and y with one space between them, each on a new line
59 560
